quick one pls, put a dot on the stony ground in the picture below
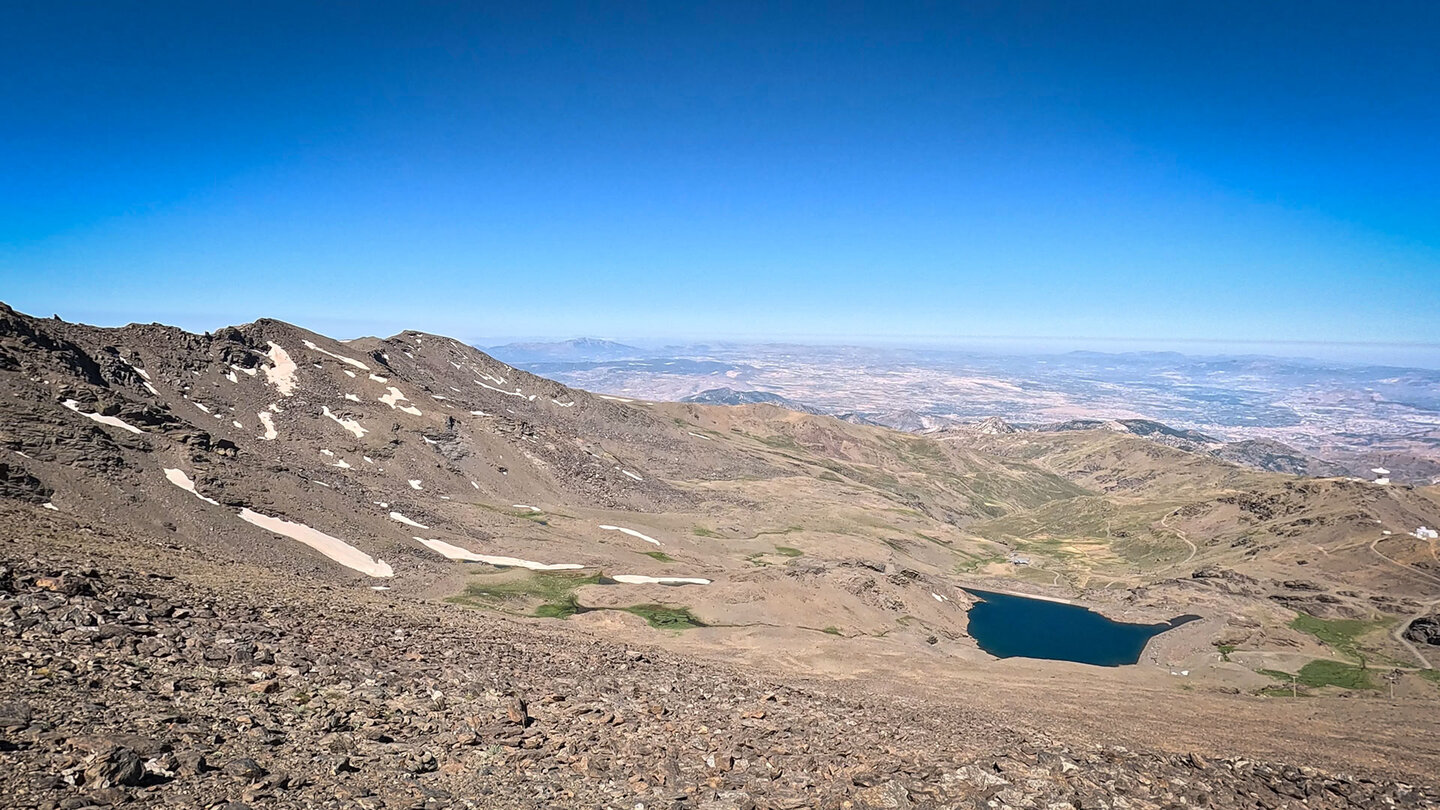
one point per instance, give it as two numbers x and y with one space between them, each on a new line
129 688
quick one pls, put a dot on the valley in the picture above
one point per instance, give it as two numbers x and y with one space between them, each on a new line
420 533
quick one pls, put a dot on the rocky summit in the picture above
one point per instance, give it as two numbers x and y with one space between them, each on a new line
263 568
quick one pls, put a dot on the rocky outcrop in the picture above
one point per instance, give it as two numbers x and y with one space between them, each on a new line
1424 630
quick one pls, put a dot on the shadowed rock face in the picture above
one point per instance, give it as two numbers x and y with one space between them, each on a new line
1424 630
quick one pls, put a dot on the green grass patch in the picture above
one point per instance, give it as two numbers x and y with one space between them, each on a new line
562 608
832 630
659 555
1335 673
1431 675
701 531
1276 674
666 618
1340 635
1225 650
549 588
787 551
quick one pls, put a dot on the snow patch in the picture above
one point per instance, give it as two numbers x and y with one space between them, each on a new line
181 480
282 373
453 552
396 516
515 393
631 532
636 579
341 358
112 421
349 424
632 475
414 483
269 423
394 397
332 547
52 507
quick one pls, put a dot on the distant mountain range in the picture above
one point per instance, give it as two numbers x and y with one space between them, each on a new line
729 396
582 348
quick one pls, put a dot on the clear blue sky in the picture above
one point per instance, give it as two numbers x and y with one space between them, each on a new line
1136 170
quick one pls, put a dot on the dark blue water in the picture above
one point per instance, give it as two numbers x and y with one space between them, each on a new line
1013 626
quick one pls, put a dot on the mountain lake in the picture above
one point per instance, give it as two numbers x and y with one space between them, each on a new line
1008 626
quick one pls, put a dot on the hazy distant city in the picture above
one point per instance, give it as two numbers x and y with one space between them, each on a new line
1360 416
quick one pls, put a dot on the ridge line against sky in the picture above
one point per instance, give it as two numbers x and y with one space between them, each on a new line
1127 170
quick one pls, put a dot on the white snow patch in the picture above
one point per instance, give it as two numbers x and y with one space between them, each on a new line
150 388
700 436
202 407
479 413
352 397
395 397
938 597
561 404
636 579
1380 471
1423 533
282 373
475 485
181 480
244 370
230 375
52 507
112 421
348 372
332 547
269 423
414 483
515 393
615 399
521 505
379 379
396 516
329 453
237 425
453 552
368 460
349 424
631 532
632 475
341 358
342 464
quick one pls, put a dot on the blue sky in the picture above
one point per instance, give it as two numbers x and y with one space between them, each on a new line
1142 170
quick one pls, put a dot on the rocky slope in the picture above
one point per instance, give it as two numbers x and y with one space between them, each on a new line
240 545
